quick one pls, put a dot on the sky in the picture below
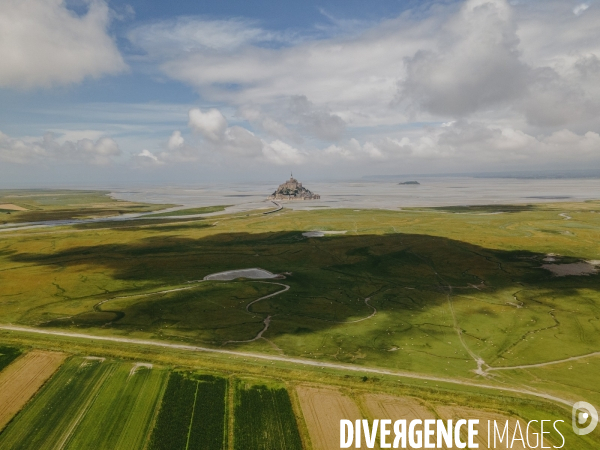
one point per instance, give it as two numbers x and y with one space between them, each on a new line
148 91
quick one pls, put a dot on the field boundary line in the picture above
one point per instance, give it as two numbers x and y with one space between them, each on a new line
285 359
187 443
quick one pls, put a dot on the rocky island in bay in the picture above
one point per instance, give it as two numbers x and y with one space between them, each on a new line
293 190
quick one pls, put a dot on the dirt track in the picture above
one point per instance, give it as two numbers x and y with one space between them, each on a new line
284 359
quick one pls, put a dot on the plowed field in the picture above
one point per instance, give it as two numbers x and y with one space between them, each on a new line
323 409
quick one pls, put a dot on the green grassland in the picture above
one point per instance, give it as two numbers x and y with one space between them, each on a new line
264 418
8 355
450 285
44 205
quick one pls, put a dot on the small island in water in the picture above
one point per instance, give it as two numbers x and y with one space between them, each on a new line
292 190
409 182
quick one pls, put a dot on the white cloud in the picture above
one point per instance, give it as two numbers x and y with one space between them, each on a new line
188 34
43 44
21 151
147 154
476 64
268 124
471 83
316 121
278 152
451 62
579 9
146 159
210 124
176 141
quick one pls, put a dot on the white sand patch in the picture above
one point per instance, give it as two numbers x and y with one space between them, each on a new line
254 273
578 268
12 207
137 366
322 233
95 358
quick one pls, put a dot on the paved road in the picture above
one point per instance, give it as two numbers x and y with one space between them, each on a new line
299 361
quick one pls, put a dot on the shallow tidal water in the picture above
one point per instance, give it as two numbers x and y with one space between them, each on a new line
376 194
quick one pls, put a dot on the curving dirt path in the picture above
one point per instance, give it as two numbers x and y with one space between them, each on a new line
549 363
284 359
267 320
286 288
364 318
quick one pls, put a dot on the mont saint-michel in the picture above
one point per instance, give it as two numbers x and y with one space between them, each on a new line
292 190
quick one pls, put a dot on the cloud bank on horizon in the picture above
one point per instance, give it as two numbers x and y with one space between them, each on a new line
440 87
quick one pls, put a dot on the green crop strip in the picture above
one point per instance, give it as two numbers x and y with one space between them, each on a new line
192 414
264 419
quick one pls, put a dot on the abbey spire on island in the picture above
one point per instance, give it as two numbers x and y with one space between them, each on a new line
293 190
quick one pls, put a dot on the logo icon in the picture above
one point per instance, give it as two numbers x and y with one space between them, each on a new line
585 416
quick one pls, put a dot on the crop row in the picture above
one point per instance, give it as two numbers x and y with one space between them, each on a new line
208 425
121 414
47 422
264 420
192 414
89 404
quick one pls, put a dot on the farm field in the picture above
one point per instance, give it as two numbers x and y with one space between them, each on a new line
323 409
22 379
89 403
390 407
264 418
56 411
120 416
448 412
192 413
